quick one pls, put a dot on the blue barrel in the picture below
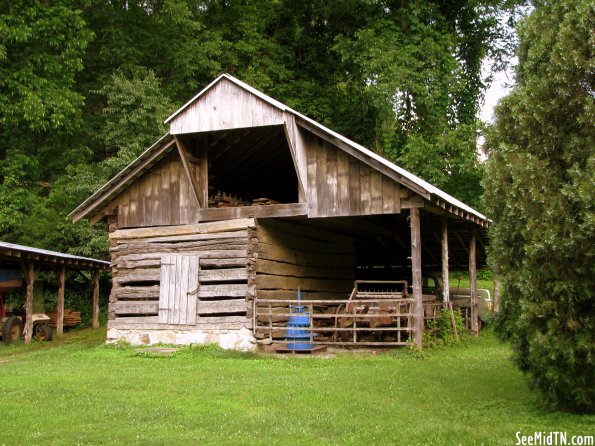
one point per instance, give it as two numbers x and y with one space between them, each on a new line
298 328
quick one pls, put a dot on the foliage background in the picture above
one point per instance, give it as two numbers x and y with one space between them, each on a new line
85 86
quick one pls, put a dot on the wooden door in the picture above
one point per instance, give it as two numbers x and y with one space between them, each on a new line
178 290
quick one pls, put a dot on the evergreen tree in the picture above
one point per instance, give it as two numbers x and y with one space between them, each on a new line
541 195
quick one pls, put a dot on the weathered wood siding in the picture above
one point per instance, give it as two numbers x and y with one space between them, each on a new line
137 256
340 185
225 106
292 256
163 196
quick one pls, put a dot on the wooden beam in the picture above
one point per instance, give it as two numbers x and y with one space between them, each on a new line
274 210
445 281
473 280
29 279
95 317
190 170
418 319
203 171
61 280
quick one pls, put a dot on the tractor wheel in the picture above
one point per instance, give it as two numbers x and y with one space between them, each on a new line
42 332
12 330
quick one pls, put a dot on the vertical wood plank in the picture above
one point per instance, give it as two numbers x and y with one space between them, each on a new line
365 189
342 183
396 197
29 280
95 298
445 271
312 193
60 280
172 286
376 192
164 195
174 197
182 289
418 319
473 281
354 186
163 312
331 177
147 187
387 195
132 204
321 180
123 210
155 186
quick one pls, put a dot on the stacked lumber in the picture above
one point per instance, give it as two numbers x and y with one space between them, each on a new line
264 202
71 318
225 200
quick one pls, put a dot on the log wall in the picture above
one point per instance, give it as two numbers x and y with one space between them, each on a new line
291 256
222 249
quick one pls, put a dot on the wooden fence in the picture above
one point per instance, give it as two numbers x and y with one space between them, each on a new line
354 322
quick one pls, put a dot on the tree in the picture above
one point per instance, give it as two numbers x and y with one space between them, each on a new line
541 195
41 48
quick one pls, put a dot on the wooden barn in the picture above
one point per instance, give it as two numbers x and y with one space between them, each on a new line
215 227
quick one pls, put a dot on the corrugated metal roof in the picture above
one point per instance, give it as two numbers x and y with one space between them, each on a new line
16 252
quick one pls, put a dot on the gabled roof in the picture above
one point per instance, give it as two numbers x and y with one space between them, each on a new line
431 193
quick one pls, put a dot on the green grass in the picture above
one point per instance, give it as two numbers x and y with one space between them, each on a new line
79 391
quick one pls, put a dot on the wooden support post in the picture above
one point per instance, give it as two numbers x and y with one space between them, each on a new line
445 272
190 170
203 171
95 319
496 295
29 280
418 318
61 280
473 281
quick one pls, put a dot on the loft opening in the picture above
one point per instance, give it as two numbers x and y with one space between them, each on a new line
247 166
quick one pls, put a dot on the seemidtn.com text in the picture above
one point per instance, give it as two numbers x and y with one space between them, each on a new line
553 439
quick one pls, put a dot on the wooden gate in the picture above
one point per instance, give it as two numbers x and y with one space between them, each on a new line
178 290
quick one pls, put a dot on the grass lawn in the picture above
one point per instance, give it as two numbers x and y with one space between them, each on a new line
79 391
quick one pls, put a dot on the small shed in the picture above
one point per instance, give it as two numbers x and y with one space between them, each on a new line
33 260
244 201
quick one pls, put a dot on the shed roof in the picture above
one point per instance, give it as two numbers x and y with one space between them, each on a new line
17 253
428 191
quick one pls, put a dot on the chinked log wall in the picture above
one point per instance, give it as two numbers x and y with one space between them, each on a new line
222 249
290 256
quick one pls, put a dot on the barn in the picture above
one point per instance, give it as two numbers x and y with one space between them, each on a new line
217 225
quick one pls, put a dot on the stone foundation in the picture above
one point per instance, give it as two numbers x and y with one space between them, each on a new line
241 339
